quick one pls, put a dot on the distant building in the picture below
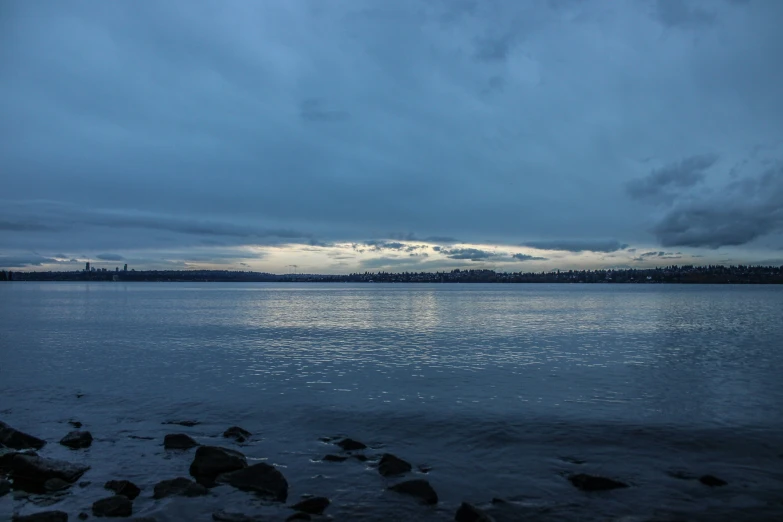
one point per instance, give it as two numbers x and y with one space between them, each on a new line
116 269
87 267
125 268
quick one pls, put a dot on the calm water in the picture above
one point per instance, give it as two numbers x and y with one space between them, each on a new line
499 389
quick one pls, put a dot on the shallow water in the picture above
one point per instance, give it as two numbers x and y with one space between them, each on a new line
503 390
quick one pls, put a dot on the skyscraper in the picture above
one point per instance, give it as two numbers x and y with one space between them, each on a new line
87 267
125 268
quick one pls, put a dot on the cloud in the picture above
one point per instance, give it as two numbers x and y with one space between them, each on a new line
473 254
110 257
743 211
493 49
611 245
526 257
29 260
680 13
646 256
664 182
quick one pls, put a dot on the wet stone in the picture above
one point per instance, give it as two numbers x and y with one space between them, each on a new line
56 484
186 423
179 486
43 516
712 481
77 440
115 506
262 479
299 516
419 488
15 439
595 483
179 441
237 433
391 465
83 516
351 445
225 516
123 487
334 458
313 506
470 513
31 473
211 461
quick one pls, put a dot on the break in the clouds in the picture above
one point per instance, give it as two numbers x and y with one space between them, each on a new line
407 135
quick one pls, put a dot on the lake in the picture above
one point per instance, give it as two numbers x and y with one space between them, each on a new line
497 391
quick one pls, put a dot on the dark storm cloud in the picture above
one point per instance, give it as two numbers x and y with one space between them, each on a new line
611 245
157 125
667 181
682 13
526 257
741 212
472 254
110 257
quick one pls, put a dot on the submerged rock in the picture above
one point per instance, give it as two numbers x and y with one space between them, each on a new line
351 445
186 423
15 439
83 516
595 483
179 441
30 473
56 484
712 481
224 516
43 516
237 433
77 440
334 458
180 486
211 461
260 478
418 488
75 424
298 516
313 506
470 513
115 506
391 465
123 487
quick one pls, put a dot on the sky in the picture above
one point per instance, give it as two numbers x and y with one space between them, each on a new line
364 135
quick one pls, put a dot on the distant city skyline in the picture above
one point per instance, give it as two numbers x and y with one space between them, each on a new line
332 138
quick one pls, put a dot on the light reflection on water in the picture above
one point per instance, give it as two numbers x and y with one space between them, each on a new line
469 365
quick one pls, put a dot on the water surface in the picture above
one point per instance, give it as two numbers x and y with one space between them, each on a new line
500 389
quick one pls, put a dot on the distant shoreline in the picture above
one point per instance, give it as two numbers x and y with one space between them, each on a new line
672 275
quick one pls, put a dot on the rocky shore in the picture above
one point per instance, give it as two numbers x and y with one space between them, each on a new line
24 473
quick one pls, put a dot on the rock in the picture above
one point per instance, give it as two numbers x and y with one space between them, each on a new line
425 469
681 475
298 516
313 506
56 484
186 423
224 516
712 481
115 506
31 473
351 445
83 516
5 487
237 433
595 483
418 488
391 465
469 513
180 486
143 519
260 478
360 458
75 424
43 516
84 483
179 441
334 458
15 439
211 461
79 395
77 440
123 487
140 437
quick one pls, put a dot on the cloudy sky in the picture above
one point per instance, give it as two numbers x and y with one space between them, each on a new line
357 135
